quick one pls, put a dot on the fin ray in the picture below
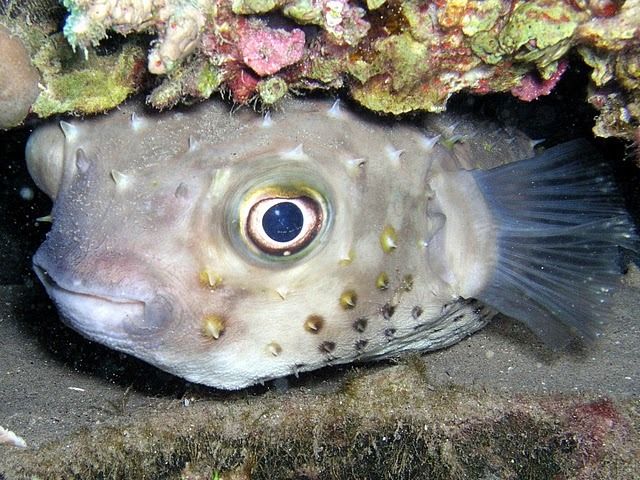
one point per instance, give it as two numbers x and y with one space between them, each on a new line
560 222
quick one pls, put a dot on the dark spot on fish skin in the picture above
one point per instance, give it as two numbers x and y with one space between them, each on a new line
360 325
360 344
407 283
314 323
182 191
388 310
416 312
457 318
327 347
389 332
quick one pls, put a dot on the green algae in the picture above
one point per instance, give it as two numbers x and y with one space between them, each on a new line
209 79
72 83
394 79
377 97
482 16
383 423
250 7
375 4
540 32
166 95
422 28
399 56
304 12
271 90
487 46
324 71
199 79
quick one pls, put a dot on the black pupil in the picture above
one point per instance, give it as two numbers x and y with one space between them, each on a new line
283 222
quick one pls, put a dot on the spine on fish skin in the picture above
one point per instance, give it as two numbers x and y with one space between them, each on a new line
559 222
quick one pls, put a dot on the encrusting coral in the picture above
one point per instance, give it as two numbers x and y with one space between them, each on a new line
392 56
64 82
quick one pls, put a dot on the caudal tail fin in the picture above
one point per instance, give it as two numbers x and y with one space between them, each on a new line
560 222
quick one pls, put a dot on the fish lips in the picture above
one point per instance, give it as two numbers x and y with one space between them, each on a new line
122 322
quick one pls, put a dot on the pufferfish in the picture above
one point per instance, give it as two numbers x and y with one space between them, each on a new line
230 249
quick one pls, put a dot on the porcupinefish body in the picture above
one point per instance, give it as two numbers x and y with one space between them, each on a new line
230 249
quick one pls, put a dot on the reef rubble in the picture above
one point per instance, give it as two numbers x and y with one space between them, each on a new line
391 56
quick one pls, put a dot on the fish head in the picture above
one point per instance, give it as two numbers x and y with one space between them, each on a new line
231 249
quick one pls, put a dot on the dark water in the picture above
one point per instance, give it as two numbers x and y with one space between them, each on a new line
22 203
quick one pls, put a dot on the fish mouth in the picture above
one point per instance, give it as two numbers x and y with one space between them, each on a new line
100 316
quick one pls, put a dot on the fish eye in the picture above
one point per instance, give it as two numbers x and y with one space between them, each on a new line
282 226
281 216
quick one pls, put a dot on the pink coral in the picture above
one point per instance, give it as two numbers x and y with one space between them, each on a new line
266 50
533 87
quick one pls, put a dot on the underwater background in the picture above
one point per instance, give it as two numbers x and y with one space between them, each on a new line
497 405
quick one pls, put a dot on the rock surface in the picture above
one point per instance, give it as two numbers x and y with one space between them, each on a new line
18 80
392 56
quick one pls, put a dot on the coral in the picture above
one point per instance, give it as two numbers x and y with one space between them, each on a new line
615 60
340 19
392 56
532 86
178 23
266 51
18 80
64 81
91 86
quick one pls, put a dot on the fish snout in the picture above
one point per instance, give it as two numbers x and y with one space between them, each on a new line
114 299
